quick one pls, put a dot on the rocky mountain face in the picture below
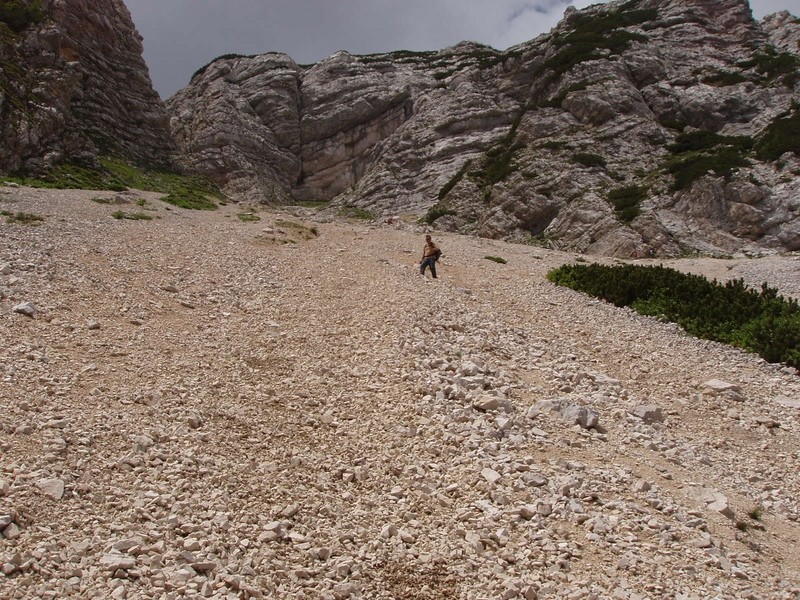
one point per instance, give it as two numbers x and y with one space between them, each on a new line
73 84
633 128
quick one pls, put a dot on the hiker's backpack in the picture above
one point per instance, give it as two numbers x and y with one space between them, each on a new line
437 254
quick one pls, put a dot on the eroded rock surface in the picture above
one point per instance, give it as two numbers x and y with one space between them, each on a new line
74 85
526 144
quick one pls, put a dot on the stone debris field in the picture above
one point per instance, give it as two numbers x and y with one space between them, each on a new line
257 404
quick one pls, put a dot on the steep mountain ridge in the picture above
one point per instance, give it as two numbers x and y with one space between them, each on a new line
73 85
569 139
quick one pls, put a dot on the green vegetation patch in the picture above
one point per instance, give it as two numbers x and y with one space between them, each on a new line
22 218
772 65
596 37
203 69
354 212
186 191
626 201
497 259
499 160
705 140
724 78
19 14
782 135
691 166
454 180
248 217
588 159
139 216
436 212
297 229
696 153
758 321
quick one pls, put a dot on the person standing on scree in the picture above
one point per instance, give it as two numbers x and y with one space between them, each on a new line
429 255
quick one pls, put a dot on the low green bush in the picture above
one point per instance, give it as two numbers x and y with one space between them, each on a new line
354 212
454 180
19 14
436 212
690 166
772 65
759 321
588 159
782 135
699 139
626 201
724 78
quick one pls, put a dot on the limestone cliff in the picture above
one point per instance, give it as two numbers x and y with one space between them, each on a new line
632 128
73 84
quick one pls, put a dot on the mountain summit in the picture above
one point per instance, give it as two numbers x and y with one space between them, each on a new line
633 128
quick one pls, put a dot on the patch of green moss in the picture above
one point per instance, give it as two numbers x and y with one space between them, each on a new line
186 191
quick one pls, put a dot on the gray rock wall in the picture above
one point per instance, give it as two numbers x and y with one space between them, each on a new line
524 144
74 86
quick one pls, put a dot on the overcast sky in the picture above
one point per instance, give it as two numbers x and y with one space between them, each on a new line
180 36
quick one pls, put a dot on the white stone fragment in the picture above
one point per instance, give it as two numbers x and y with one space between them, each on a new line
491 475
26 308
52 488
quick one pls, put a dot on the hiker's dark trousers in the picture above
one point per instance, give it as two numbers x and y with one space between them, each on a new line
428 262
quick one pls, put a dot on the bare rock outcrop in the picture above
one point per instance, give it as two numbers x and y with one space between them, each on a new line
633 128
74 85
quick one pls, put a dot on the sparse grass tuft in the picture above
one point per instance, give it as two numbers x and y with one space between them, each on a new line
354 212
119 214
22 218
496 259
248 217
756 514
186 191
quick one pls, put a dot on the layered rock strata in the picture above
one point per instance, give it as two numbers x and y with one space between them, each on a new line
539 143
74 85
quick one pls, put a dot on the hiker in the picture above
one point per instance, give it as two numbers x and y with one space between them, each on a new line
430 254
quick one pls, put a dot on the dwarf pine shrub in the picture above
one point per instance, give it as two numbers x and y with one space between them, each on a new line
626 201
19 14
760 321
